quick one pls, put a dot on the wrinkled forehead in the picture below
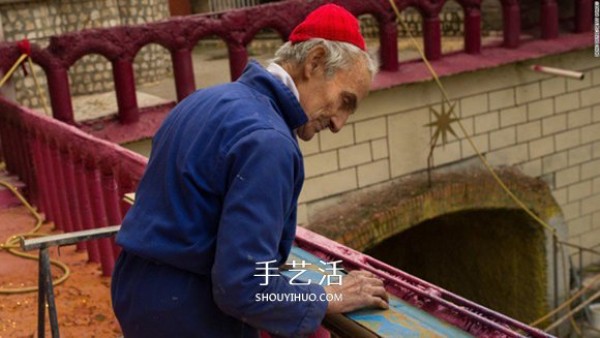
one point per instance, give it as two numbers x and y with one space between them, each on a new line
356 80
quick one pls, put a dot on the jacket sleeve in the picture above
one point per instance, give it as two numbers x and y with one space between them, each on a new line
262 171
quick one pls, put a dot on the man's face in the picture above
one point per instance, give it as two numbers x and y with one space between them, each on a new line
328 102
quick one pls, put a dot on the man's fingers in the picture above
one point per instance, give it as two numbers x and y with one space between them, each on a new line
374 281
362 273
380 303
377 291
380 292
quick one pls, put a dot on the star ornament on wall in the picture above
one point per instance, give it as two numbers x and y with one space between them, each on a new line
442 124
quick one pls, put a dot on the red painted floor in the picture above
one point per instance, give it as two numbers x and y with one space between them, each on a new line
83 300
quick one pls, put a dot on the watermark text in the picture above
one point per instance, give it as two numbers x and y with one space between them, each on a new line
298 297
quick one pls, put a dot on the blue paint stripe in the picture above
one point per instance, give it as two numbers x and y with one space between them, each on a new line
402 319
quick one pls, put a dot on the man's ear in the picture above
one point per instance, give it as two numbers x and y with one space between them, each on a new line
315 62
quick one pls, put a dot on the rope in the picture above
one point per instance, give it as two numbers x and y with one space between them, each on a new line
12 244
464 131
38 88
13 68
482 158
25 49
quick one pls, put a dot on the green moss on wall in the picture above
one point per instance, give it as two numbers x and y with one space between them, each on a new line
494 257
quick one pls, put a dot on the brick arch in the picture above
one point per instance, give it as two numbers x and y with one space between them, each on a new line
362 222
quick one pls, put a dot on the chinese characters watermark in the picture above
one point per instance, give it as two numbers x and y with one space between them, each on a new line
332 278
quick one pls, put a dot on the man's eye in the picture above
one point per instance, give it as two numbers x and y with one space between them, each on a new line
347 104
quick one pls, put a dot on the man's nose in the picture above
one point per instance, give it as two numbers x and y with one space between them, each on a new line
337 122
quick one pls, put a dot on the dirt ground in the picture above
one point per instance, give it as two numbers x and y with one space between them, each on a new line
83 300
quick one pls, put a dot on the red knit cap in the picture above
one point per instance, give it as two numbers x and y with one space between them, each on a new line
329 22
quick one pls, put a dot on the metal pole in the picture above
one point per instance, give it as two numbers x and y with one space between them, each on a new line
555 263
45 265
41 298
581 265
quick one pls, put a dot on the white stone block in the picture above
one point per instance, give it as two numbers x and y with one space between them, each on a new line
574 84
595 76
354 155
571 210
567 139
566 102
486 122
320 163
541 147
580 190
370 129
502 98
329 140
509 156
480 141
539 109
590 169
328 185
408 141
302 215
590 133
503 137
590 204
567 176
446 154
529 131
554 162
511 116
474 105
374 172
560 195
580 225
554 124
580 154
554 86
590 96
579 118
527 93
395 100
379 149
468 124
596 113
532 168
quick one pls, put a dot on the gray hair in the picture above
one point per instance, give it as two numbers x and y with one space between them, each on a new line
340 55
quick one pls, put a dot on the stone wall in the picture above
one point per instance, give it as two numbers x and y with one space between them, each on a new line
548 127
38 20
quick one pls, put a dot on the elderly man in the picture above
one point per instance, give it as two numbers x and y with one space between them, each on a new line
220 193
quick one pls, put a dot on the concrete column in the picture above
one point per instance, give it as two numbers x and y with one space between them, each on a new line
549 19
432 37
125 90
180 7
512 25
388 39
583 16
238 57
472 30
183 70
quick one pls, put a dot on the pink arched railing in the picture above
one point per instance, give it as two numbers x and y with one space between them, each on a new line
237 28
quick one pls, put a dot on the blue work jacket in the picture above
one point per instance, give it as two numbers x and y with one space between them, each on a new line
219 196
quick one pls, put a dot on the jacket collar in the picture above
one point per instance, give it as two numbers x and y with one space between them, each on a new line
256 77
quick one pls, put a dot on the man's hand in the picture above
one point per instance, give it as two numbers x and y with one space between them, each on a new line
359 289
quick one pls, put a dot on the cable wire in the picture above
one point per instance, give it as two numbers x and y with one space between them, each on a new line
12 245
